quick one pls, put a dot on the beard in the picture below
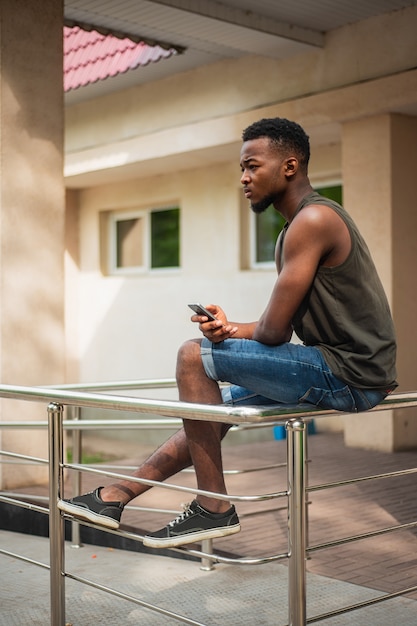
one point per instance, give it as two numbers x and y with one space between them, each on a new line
262 205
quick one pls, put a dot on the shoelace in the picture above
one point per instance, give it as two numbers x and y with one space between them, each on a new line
182 516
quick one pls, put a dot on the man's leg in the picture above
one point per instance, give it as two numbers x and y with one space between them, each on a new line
204 438
170 458
174 454
105 504
206 517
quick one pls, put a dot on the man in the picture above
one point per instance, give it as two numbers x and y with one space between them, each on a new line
327 291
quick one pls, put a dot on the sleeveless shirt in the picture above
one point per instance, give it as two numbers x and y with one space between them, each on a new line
346 313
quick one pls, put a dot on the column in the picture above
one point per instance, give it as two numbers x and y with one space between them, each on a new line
31 218
379 162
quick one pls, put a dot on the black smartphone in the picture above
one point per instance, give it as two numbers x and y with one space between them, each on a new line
200 310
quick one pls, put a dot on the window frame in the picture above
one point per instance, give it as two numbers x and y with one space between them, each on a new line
116 216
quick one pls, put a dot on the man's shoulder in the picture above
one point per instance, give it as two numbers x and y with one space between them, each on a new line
315 214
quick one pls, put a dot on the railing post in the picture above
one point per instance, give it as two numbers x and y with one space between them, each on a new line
76 478
206 562
296 447
56 521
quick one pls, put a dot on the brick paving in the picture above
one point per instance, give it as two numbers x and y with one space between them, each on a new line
387 562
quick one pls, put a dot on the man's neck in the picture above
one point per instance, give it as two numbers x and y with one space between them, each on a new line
287 205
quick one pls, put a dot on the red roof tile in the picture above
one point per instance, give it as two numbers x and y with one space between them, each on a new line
90 56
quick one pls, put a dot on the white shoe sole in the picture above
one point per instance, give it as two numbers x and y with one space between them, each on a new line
87 515
180 540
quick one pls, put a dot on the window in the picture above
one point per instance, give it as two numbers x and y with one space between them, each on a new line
143 240
266 226
334 192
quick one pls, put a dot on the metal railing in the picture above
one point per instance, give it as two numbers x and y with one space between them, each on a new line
295 421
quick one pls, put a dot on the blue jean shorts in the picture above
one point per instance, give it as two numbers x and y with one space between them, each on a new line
289 374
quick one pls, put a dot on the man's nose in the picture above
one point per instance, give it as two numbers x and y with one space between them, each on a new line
245 177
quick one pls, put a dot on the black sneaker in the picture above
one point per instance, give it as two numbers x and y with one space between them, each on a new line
91 507
194 524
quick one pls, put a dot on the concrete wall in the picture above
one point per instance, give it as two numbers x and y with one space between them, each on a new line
32 219
141 320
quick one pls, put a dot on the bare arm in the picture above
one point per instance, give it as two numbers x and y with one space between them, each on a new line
317 236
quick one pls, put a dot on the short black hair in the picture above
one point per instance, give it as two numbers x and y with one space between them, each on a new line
286 135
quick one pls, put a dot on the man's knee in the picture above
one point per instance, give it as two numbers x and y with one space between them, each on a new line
189 354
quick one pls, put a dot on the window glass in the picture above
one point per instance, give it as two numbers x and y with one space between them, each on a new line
334 192
165 238
268 225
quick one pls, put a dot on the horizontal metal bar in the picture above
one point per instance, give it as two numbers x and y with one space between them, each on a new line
23 558
94 424
165 485
24 505
190 470
244 560
114 424
111 424
361 605
25 457
152 383
371 533
167 408
14 463
22 497
142 603
352 481
145 509
186 410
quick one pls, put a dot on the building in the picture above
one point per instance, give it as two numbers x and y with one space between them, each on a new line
158 146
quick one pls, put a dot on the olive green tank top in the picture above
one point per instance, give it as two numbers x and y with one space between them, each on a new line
346 314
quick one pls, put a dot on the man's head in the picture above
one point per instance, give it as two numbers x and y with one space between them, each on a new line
274 160
288 137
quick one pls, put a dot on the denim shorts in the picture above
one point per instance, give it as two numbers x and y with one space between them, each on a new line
289 374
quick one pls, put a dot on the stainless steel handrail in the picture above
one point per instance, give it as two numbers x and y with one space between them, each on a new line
295 422
186 410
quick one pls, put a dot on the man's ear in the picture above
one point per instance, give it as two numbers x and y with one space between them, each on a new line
291 166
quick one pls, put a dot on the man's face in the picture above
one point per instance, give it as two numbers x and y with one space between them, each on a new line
263 177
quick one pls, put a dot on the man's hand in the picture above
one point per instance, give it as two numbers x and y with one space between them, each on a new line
217 330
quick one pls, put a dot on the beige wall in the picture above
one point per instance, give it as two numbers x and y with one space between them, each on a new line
141 320
32 218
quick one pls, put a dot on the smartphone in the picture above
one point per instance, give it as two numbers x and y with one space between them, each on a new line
200 310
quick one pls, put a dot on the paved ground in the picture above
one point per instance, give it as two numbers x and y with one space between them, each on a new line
230 595
337 576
